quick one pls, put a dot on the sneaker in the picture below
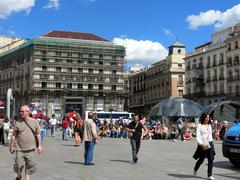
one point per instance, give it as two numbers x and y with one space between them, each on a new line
194 172
174 140
211 178
135 160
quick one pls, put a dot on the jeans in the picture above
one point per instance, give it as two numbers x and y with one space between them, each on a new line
65 134
42 135
53 127
179 133
88 154
1 135
5 133
135 148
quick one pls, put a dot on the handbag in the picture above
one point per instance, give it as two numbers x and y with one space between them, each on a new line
130 134
34 133
206 145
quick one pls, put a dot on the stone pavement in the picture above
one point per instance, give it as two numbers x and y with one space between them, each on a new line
158 159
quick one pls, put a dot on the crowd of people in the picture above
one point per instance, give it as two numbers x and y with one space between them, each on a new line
73 125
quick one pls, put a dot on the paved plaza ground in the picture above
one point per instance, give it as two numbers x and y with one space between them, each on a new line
158 159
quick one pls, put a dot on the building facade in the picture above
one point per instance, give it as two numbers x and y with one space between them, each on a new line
65 71
159 81
212 70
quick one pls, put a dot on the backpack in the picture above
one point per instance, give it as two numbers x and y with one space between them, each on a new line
79 124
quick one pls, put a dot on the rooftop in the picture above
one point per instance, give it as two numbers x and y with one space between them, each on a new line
74 35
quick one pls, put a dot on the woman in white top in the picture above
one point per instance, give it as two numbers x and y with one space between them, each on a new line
205 147
6 127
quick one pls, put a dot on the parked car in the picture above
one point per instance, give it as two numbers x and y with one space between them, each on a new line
231 144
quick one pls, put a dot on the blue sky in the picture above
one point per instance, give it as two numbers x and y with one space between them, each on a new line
145 27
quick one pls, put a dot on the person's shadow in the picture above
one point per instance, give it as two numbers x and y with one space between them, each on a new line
121 161
185 176
73 162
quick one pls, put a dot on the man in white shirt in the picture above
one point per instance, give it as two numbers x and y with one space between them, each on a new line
53 124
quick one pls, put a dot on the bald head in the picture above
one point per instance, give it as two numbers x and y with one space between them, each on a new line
25 111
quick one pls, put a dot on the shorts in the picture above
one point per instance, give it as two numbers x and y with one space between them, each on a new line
27 159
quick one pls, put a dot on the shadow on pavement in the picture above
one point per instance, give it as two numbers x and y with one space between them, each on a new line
225 165
118 160
230 176
69 145
73 162
181 176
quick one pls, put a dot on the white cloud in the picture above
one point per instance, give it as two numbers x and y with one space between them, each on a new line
52 4
142 51
168 32
7 7
217 18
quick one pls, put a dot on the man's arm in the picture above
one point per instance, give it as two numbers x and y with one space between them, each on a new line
39 148
94 130
12 143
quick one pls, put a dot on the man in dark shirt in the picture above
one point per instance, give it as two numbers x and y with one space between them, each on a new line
136 129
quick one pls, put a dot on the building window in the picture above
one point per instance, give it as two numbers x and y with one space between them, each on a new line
179 51
80 70
100 87
44 85
208 61
90 71
114 88
58 85
90 86
237 90
230 90
229 46
58 69
69 70
90 62
80 86
236 44
69 85
180 92
44 68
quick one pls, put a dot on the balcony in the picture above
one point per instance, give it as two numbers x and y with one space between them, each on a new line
229 63
214 78
216 93
208 65
208 79
221 62
230 78
235 78
221 77
196 94
236 62
180 83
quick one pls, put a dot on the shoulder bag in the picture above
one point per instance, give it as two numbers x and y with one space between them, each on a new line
130 134
34 133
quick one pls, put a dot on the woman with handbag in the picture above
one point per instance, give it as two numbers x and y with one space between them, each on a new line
205 148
